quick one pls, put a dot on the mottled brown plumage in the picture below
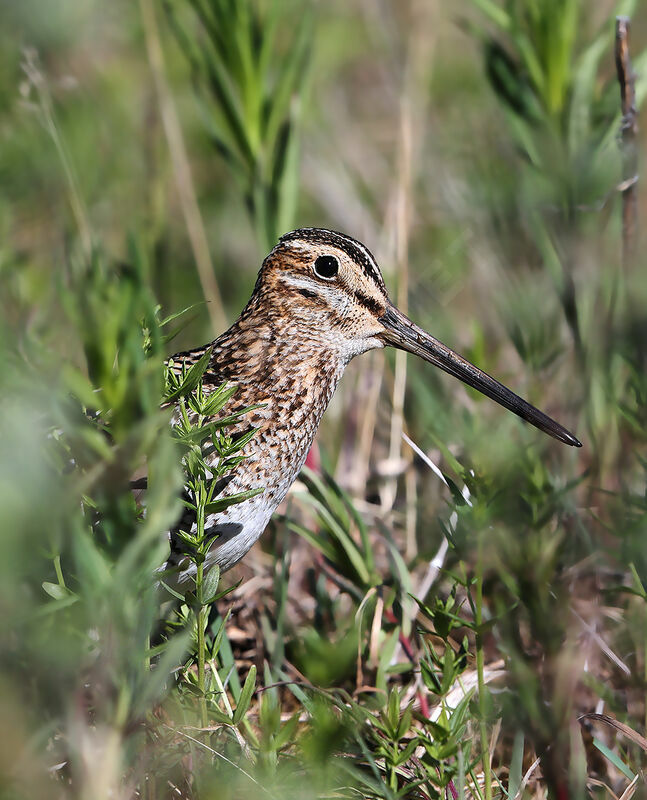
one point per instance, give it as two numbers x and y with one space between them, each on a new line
319 300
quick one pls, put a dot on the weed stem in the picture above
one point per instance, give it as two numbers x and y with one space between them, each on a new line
485 748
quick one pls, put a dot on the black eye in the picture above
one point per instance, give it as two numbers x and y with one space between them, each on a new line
326 267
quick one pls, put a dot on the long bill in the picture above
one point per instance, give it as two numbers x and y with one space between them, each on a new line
400 332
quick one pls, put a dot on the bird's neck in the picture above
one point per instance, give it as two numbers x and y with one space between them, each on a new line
293 373
286 359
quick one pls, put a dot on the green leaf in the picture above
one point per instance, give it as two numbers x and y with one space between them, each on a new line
224 502
245 695
516 765
393 711
177 314
287 733
614 759
206 432
219 634
583 82
175 594
448 671
218 399
160 673
192 378
217 715
405 754
220 85
494 13
459 716
405 722
210 584
348 545
229 668
439 732
55 606
55 590
291 75
192 688
321 544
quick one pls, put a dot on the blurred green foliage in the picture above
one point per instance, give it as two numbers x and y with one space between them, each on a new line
250 83
293 114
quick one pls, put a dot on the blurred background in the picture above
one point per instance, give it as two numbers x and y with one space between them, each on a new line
151 153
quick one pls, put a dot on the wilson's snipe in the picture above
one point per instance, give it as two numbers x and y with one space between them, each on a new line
319 300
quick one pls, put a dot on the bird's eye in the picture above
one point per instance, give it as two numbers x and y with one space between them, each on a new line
326 267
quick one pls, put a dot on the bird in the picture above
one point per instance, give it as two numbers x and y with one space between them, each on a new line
319 301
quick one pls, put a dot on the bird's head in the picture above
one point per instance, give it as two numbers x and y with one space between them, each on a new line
333 285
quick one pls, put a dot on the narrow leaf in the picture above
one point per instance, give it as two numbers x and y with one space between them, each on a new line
192 377
224 502
245 695
614 759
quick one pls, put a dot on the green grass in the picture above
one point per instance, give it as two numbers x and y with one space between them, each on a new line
394 634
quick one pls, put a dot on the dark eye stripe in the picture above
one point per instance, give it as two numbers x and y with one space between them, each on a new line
369 302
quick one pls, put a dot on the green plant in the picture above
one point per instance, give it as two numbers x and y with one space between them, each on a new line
250 97
563 122
201 425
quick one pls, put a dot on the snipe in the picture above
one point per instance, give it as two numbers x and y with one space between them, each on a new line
319 300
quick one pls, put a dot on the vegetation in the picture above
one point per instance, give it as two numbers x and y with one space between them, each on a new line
466 618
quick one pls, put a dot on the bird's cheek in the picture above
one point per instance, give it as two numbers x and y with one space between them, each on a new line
356 347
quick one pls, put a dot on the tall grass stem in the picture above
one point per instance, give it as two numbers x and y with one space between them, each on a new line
182 170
